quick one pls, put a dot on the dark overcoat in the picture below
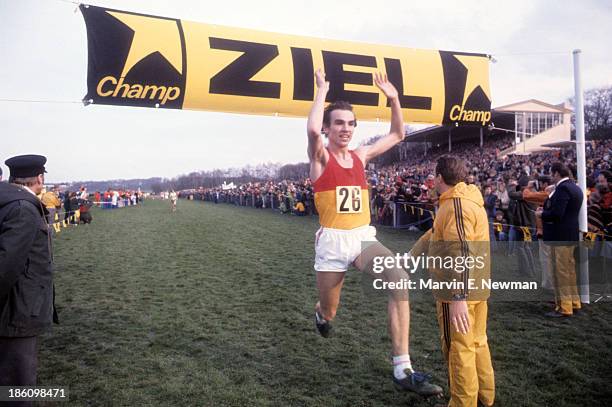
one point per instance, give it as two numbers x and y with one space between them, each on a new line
26 264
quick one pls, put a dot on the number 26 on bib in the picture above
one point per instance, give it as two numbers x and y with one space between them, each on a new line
348 199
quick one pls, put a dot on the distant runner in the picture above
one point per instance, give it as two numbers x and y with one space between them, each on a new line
173 198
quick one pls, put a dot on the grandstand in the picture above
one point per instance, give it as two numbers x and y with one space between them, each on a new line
524 127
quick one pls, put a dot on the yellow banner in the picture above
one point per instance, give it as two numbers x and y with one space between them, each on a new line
148 61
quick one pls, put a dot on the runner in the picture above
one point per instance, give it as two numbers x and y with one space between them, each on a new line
341 198
173 199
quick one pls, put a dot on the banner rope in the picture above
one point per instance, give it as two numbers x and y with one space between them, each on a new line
78 3
39 101
531 53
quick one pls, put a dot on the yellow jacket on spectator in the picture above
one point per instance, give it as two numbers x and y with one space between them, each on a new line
50 200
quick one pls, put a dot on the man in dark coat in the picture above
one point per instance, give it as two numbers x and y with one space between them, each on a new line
560 231
523 221
523 212
26 279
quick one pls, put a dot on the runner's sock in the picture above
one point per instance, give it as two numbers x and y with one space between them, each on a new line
400 363
320 318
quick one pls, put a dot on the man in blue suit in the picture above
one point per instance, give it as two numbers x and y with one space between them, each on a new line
560 231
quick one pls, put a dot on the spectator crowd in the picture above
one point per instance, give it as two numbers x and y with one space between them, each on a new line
73 207
512 187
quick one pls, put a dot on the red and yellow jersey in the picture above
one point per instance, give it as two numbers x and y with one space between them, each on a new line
341 195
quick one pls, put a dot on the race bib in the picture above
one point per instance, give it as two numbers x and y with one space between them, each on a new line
348 199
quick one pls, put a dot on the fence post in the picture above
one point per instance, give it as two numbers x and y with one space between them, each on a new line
395 215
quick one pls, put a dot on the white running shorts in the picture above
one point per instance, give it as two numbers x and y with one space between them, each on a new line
337 249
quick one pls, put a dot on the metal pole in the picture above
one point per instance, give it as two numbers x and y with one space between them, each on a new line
581 162
481 137
449 139
395 217
580 144
524 131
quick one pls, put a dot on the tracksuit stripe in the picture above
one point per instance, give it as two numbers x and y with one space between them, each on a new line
461 232
446 325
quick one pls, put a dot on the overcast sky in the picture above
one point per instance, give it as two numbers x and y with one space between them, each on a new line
44 57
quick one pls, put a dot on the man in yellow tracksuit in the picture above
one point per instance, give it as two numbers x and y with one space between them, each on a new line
51 201
461 230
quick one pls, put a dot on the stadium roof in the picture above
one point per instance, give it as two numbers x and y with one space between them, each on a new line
502 117
439 134
516 106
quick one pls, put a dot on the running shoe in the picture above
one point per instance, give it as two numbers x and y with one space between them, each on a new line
418 383
323 326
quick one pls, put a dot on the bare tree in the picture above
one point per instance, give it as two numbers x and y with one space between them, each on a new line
597 111
294 171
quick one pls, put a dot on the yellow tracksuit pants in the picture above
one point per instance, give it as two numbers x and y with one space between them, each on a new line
470 371
564 279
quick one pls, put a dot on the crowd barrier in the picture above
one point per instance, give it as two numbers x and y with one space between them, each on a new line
407 215
120 203
283 202
399 215
64 219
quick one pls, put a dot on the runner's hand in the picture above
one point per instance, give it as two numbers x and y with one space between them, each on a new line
385 86
320 79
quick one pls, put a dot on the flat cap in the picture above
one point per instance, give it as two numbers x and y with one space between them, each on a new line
23 166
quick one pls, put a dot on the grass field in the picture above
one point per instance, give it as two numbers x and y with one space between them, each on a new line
212 306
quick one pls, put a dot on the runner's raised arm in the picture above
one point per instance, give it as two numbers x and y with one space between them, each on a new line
315 118
396 132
